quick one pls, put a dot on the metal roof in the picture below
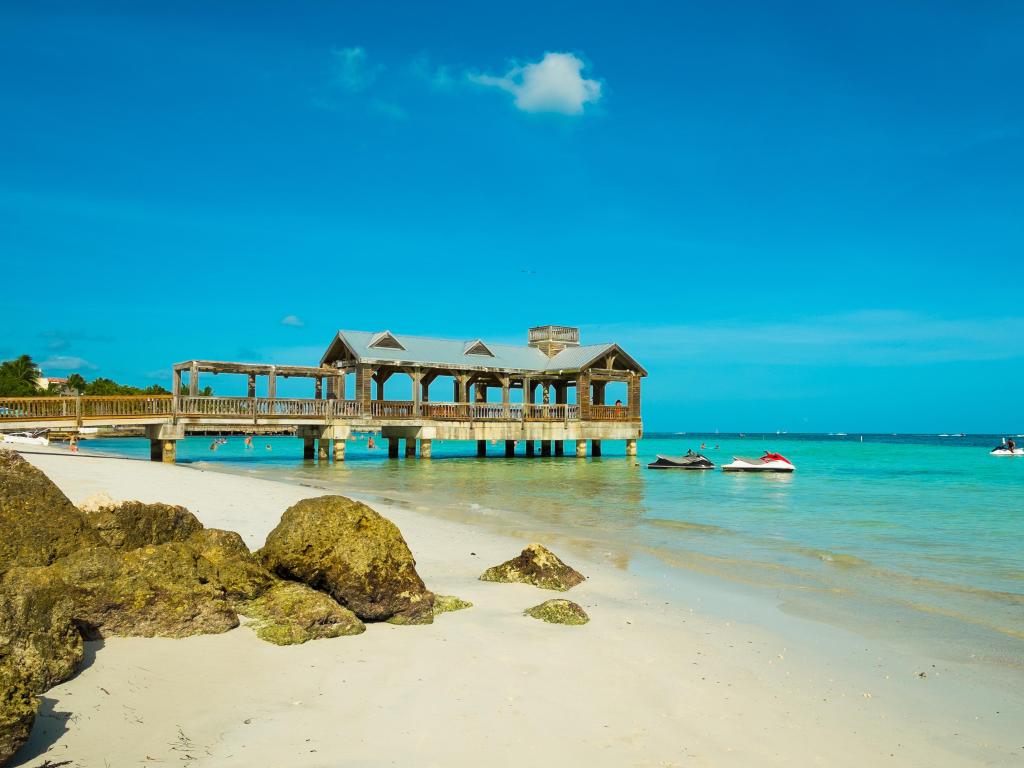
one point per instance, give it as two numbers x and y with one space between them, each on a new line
452 353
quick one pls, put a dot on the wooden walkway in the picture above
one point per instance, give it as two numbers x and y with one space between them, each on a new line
69 412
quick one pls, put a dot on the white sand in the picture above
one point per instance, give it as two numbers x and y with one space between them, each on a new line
652 680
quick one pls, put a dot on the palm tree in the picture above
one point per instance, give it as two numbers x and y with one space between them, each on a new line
18 377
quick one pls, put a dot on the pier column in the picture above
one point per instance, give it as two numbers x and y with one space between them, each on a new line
193 380
559 447
318 388
481 448
425 449
510 449
252 385
529 448
307 448
339 449
410 447
595 447
581 449
322 449
545 447
393 447
631 447
163 450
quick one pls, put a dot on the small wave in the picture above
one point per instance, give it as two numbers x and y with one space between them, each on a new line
833 558
683 525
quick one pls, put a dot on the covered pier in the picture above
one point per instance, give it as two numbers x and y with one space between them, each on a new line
546 393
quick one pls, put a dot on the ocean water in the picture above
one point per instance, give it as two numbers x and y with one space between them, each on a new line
919 539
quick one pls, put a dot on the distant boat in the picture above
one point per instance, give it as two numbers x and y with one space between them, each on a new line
32 437
840 434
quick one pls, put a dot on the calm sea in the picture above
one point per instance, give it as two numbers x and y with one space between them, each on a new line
915 537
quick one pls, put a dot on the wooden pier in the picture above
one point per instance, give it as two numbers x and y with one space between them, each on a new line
561 387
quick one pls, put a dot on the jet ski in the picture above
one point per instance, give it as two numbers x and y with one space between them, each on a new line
1005 450
690 461
770 462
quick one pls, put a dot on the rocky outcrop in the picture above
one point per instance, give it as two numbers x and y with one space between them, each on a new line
535 565
132 524
228 564
150 591
558 611
17 711
38 524
449 603
37 634
291 613
358 557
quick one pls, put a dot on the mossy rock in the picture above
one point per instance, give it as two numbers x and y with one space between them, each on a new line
354 554
38 523
132 524
558 611
37 632
535 565
17 711
290 613
449 603
228 564
150 591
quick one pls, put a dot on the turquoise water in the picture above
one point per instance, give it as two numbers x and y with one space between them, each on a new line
915 538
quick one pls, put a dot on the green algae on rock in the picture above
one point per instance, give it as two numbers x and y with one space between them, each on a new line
535 565
17 711
558 611
448 603
229 565
37 634
132 524
354 554
39 523
146 592
290 613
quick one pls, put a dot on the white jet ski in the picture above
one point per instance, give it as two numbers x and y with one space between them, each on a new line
770 462
1005 450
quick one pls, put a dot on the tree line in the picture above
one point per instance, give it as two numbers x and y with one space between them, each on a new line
20 378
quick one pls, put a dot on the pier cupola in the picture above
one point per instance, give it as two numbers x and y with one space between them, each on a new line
552 339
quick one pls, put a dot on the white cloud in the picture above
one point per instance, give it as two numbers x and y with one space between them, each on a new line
351 70
553 84
292 320
66 363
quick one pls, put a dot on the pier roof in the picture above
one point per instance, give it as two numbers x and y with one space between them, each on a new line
405 349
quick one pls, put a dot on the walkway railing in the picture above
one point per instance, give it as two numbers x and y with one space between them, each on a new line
608 413
156 408
79 408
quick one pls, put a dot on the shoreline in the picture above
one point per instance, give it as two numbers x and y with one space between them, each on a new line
666 673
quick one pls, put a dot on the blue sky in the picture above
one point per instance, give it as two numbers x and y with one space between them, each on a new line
804 216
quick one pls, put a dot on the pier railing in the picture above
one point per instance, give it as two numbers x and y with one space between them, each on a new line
157 408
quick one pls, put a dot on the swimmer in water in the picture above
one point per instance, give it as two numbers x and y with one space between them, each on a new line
269 448
248 441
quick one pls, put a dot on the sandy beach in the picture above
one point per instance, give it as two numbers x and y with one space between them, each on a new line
669 672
